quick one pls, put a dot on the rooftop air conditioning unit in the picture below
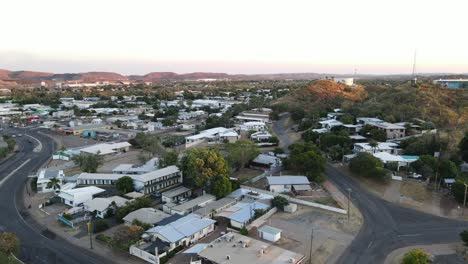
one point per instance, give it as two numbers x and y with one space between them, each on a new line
292 260
228 257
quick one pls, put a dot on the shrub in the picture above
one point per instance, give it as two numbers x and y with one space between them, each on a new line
415 256
67 216
244 231
279 202
100 225
104 238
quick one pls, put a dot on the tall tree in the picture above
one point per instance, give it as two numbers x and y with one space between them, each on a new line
9 243
88 162
241 153
124 184
168 158
201 166
463 147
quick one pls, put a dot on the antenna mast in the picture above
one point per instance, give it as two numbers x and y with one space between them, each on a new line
414 62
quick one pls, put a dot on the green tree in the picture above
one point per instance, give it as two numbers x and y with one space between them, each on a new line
9 243
220 186
88 162
463 147
310 136
306 158
240 153
367 165
464 237
415 256
447 169
168 158
124 184
54 183
279 202
202 167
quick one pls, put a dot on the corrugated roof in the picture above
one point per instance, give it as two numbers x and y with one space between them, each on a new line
146 215
183 227
291 180
247 211
270 230
156 174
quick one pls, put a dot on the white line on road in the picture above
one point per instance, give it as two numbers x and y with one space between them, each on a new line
13 172
370 244
409 235
39 147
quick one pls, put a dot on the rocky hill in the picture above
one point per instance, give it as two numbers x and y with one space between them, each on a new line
322 90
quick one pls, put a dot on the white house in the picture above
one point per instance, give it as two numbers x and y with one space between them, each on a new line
106 148
388 147
149 216
157 180
213 135
77 197
269 233
281 184
264 161
101 206
184 231
261 136
189 206
44 177
130 169
253 126
331 123
175 195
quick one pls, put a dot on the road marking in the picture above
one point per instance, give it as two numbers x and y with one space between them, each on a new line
39 147
370 244
410 235
13 172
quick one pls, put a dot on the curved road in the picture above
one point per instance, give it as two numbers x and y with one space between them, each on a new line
38 245
386 226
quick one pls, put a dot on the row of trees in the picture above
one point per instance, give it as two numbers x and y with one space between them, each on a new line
306 158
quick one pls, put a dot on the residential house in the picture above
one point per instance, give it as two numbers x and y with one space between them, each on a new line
176 195
149 216
189 206
265 162
392 131
213 135
43 179
157 180
279 184
212 208
243 212
184 231
253 126
235 248
261 136
100 206
103 149
77 197
388 147
133 169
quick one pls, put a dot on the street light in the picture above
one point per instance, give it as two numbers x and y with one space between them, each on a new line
464 199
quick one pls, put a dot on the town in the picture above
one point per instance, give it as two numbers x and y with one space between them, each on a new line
209 171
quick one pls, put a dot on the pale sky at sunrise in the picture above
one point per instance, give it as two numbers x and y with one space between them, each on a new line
241 36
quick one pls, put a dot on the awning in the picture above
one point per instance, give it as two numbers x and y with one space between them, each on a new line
302 187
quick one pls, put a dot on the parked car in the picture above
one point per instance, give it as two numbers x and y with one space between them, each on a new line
415 175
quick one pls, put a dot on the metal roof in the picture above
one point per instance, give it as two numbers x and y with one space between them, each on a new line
291 180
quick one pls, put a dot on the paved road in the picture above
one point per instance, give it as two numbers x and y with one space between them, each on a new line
38 245
386 226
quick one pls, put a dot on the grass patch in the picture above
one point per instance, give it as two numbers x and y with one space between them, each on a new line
415 190
246 174
5 259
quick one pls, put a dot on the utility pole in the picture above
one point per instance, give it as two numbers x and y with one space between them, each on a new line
464 199
349 202
311 244
90 232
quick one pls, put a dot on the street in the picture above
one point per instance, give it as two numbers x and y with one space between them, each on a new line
38 245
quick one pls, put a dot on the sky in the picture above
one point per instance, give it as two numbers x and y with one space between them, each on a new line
241 36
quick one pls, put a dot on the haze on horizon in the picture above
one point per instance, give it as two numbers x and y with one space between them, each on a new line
137 37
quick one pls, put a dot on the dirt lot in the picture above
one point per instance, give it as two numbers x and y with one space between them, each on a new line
330 237
246 174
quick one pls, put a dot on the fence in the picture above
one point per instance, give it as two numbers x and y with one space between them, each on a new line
259 221
298 201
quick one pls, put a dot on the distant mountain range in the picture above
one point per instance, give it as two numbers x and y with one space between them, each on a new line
32 76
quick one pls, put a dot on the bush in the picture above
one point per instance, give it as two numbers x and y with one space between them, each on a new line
244 231
464 237
415 256
100 225
279 202
104 238
145 226
366 165
67 216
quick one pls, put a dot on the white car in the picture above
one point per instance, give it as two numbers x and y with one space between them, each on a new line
414 175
